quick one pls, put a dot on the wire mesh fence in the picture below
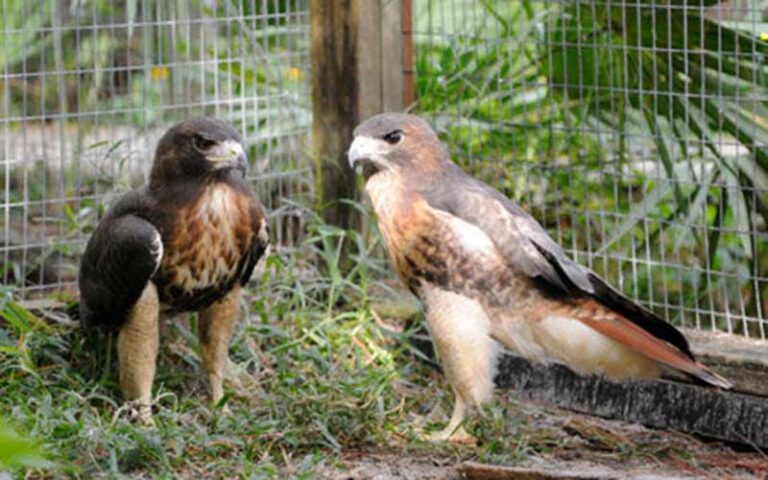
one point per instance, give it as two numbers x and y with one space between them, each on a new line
87 87
636 132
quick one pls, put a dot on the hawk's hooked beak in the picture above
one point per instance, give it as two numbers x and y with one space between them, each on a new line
368 151
228 154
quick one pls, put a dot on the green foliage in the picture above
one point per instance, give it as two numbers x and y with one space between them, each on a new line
17 452
15 324
686 80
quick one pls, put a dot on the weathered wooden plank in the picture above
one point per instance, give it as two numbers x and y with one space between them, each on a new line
380 54
406 24
480 471
728 416
357 70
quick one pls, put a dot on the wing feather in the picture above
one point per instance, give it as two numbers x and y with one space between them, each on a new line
259 245
516 234
616 301
123 253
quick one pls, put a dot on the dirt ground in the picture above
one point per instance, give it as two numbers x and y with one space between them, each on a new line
577 447
392 467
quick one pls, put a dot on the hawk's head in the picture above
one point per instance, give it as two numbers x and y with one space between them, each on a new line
195 149
395 141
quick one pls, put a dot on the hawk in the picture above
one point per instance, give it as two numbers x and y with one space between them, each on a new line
185 242
489 275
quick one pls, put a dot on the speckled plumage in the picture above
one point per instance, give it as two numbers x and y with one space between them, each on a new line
208 246
487 272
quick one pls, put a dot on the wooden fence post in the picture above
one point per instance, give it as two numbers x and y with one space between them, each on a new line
357 72
334 29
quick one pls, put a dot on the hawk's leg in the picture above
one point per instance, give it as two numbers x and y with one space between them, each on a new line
454 431
460 330
137 345
216 326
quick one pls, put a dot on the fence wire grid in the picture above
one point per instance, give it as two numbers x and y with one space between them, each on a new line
636 132
87 87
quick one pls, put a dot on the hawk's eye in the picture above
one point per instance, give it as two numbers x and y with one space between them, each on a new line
202 143
393 137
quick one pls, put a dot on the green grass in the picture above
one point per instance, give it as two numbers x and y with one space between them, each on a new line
319 374
18 452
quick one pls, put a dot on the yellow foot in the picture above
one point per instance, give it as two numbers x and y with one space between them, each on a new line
219 409
453 432
225 410
140 412
238 377
458 436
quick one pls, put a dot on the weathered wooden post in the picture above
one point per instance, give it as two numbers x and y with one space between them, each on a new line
357 71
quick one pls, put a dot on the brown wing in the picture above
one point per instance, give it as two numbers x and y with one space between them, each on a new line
515 233
120 258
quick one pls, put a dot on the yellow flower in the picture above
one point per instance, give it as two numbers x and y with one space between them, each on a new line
764 36
160 73
294 74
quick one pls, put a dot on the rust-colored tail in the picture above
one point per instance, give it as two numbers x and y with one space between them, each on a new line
634 337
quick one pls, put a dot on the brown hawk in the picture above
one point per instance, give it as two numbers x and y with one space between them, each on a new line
488 274
184 242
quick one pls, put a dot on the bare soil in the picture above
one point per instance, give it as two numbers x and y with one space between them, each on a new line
566 445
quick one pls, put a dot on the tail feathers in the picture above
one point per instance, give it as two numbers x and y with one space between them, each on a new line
708 376
634 337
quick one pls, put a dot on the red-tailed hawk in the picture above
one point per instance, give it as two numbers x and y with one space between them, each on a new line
185 242
487 272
